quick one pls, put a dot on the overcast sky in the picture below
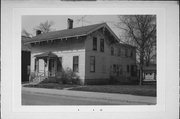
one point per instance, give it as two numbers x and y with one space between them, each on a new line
60 21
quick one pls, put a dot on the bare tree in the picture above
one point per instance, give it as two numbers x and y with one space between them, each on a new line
45 26
150 50
139 30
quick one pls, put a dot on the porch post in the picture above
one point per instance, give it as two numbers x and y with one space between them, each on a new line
36 66
44 67
55 66
47 66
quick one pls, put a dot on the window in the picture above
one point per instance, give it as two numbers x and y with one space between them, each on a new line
92 63
114 68
112 51
126 52
94 43
59 64
120 69
102 45
131 53
128 68
119 52
75 63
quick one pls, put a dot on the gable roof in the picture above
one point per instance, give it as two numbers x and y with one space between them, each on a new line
67 33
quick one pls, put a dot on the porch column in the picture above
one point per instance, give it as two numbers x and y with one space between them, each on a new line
36 66
44 67
47 66
55 66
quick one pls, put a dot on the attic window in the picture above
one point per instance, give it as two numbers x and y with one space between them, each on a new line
94 43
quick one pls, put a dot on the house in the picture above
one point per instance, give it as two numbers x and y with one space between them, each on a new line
25 58
93 52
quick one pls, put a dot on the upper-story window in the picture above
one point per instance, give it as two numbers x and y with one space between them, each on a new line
126 52
94 43
112 51
119 52
102 45
131 53
114 68
75 63
128 68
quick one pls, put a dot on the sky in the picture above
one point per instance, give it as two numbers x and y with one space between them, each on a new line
29 22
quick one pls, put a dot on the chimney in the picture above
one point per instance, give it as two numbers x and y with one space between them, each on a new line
38 32
70 23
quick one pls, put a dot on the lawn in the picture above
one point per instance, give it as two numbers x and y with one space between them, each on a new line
144 90
51 85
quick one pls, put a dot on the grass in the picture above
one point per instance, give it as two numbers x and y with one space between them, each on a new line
50 85
144 90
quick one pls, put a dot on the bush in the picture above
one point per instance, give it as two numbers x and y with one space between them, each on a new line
69 77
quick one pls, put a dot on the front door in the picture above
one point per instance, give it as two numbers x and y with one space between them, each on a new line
52 67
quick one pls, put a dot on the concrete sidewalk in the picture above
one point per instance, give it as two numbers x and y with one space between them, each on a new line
94 95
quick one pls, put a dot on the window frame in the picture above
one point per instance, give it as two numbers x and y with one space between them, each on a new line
93 63
128 70
132 53
75 65
94 44
112 51
126 52
119 52
59 66
101 45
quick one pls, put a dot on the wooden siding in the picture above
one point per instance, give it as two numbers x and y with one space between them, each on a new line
65 49
104 60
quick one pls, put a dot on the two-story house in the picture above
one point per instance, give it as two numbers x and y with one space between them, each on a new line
93 52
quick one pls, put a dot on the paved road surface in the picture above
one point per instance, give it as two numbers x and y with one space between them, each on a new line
46 99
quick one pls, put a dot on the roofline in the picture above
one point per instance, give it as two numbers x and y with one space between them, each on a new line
105 25
102 25
56 38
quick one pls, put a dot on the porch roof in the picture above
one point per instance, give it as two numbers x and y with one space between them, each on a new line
46 54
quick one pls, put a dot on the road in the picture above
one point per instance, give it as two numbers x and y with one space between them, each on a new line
47 99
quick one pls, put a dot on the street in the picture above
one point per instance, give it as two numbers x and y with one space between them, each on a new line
48 99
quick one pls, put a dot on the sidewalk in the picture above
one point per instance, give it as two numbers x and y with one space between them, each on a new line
94 95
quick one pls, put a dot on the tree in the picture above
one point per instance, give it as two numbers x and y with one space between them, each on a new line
140 31
45 26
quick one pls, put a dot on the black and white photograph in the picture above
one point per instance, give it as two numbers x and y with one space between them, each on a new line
104 59
89 60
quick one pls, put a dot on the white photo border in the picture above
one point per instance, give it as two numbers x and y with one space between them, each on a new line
15 61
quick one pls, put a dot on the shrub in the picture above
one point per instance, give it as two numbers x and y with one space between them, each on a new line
69 77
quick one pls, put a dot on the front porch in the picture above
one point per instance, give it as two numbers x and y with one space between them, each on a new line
46 66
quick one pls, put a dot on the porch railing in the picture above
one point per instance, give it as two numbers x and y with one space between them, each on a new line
40 76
